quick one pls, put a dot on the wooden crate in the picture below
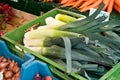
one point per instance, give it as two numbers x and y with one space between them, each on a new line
19 18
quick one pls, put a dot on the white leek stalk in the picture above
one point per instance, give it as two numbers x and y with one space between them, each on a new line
40 33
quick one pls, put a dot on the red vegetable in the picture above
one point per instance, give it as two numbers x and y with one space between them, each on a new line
48 78
1 58
3 70
8 79
5 7
38 77
10 69
4 60
10 13
16 76
16 69
6 12
8 74
3 65
11 65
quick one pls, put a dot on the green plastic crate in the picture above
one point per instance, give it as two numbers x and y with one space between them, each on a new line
113 74
15 38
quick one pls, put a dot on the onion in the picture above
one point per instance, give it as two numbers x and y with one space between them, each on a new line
16 69
11 65
1 58
48 78
16 76
4 60
37 77
3 70
10 69
4 79
8 74
9 79
3 64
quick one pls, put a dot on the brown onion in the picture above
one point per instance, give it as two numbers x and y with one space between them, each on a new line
8 74
4 79
1 58
9 79
16 69
16 76
11 65
10 69
3 64
48 78
4 60
3 70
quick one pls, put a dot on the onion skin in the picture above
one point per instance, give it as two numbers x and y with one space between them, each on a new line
11 65
16 76
16 69
8 74
9 79
4 60
3 65
1 58
38 77
3 70
10 69
48 78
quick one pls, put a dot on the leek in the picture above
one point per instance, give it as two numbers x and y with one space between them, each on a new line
47 41
65 18
84 21
74 41
84 27
47 27
40 33
38 42
59 52
76 69
68 53
55 24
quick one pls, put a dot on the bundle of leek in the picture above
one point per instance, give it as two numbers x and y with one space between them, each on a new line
88 41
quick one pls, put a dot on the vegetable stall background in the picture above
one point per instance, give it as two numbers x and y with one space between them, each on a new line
111 17
35 6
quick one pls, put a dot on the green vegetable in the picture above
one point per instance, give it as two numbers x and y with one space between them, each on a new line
86 46
55 24
110 25
38 42
40 33
68 53
47 41
82 22
65 18
84 27
59 52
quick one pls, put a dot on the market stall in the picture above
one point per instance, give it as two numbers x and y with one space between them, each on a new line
77 39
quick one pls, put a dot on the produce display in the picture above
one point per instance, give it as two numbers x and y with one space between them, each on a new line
38 77
82 5
85 5
9 69
85 45
5 14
